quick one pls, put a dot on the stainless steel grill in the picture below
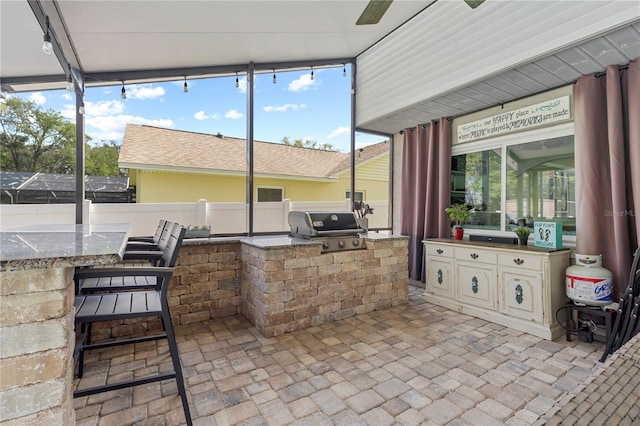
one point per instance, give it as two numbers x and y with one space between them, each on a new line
337 231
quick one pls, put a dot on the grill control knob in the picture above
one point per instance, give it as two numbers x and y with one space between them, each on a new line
341 244
356 243
325 245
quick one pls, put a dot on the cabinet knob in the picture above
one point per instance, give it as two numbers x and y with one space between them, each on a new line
439 251
518 261
473 256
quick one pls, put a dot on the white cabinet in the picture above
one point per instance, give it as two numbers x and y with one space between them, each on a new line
518 287
440 270
476 284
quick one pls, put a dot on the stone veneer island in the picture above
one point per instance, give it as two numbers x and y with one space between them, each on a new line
288 284
36 315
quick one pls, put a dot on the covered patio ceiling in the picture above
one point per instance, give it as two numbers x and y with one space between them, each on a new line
108 42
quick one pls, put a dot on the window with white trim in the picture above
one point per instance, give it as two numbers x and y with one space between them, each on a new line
270 194
359 195
517 180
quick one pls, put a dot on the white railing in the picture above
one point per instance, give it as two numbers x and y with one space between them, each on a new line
224 218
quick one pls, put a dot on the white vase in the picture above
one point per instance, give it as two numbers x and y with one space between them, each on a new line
363 223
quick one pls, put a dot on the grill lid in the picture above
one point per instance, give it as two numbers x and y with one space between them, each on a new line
317 224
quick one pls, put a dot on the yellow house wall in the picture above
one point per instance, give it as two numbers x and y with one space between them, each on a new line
171 187
159 186
373 179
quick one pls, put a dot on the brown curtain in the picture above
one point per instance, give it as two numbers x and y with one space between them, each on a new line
607 155
425 188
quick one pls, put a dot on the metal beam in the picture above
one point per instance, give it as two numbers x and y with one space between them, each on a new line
103 78
249 163
61 40
80 160
352 174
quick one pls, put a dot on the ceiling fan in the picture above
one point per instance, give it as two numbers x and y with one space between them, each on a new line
375 9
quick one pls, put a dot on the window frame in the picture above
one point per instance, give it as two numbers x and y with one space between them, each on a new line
259 187
347 195
502 143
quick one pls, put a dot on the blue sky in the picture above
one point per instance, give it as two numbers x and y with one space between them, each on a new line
295 106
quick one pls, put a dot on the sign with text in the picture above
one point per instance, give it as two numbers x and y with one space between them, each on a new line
547 234
520 119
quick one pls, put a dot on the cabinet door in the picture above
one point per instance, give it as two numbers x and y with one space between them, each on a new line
476 284
521 294
440 277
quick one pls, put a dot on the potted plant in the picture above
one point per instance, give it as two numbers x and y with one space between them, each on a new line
459 213
523 234
197 231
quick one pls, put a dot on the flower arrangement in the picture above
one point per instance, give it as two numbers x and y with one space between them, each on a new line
362 209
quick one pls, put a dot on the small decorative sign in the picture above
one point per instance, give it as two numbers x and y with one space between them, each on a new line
547 234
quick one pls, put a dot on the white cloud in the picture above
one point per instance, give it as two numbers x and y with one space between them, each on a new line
242 85
285 107
301 84
102 108
200 115
38 98
66 96
112 127
234 114
144 91
340 131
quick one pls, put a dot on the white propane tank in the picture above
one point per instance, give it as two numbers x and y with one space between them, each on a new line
588 283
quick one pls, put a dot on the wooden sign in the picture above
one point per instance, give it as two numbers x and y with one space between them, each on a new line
532 116
547 234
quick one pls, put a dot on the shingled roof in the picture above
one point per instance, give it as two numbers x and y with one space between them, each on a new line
147 147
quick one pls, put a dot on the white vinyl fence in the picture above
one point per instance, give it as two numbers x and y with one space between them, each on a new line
224 218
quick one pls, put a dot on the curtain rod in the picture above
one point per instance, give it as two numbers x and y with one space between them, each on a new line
411 129
600 74
595 75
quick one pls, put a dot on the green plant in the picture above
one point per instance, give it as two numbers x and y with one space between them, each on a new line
459 213
198 227
522 232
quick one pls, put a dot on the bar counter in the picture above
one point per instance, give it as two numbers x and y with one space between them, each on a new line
36 315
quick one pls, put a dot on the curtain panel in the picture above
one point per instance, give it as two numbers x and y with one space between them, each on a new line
425 188
607 158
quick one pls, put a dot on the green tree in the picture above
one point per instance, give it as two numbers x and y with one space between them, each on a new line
102 160
308 144
33 140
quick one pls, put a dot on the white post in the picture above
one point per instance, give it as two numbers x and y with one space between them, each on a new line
348 208
202 212
286 208
86 212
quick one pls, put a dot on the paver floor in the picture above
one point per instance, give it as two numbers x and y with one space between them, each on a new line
417 364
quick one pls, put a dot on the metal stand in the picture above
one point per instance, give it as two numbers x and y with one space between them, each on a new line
592 311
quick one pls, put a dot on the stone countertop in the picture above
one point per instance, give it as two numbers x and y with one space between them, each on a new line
530 248
46 246
378 236
279 241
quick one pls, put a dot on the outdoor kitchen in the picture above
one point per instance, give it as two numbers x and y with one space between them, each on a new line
283 283
327 269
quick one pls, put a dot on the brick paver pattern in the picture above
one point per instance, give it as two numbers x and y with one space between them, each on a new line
416 364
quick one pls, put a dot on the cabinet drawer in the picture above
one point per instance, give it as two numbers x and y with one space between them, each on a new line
520 260
470 254
440 250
